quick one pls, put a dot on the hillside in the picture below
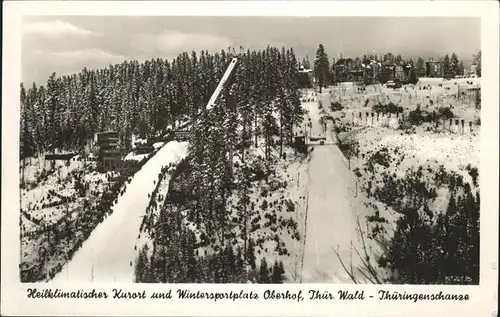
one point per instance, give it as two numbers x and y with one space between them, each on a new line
409 167
271 182
149 100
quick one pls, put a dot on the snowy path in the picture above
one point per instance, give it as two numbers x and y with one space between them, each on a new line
331 221
106 255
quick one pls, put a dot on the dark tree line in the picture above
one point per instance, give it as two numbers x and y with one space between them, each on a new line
145 98
433 246
176 260
452 66
259 108
181 255
321 68
325 75
477 61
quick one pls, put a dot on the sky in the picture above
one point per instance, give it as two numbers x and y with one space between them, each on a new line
67 44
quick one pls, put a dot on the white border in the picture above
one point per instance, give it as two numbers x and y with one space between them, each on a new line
483 298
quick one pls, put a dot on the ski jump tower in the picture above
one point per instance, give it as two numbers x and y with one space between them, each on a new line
183 134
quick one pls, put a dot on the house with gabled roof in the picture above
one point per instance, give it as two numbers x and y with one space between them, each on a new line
433 68
402 70
372 69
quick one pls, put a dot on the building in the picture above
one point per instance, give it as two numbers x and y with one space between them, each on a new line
402 71
372 69
388 71
356 75
342 69
306 76
407 70
399 73
109 152
420 72
143 147
434 68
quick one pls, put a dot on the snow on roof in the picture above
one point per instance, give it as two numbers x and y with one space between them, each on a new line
373 62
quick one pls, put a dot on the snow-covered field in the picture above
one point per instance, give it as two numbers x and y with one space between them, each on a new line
108 254
452 150
408 152
331 221
451 147
278 201
336 199
430 93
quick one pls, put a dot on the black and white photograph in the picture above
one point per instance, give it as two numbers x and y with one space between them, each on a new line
232 150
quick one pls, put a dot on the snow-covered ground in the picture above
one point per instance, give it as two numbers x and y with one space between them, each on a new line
108 254
451 150
452 147
331 220
33 166
429 148
135 157
328 202
430 93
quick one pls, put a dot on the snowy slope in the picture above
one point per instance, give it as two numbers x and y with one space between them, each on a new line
221 84
108 253
331 220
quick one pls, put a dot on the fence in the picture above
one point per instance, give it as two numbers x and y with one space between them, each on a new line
393 120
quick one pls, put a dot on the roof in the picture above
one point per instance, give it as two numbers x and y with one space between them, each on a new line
372 64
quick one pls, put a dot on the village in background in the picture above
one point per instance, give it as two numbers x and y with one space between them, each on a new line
280 169
373 69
